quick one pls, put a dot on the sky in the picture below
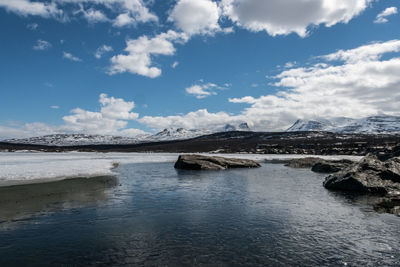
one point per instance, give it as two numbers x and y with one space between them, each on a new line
131 67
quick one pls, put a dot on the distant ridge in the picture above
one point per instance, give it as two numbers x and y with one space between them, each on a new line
93 139
383 124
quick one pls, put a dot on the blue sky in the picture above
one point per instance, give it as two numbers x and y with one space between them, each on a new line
193 63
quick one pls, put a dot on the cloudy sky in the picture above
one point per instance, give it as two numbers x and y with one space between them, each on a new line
126 67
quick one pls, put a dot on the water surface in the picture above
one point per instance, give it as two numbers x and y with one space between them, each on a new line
152 214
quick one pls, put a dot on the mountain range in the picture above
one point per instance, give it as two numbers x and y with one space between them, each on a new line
382 124
92 139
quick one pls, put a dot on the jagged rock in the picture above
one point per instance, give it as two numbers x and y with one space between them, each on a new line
370 175
199 162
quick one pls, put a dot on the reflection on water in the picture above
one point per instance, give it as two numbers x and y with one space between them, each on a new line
24 201
160 216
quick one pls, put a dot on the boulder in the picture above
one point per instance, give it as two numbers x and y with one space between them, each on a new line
369 175
199 162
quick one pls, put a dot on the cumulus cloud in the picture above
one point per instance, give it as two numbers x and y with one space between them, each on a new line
112 119
139 53
71 57
382 17
282 17
192 120
359 83
101 50
42 45
196 16
203 90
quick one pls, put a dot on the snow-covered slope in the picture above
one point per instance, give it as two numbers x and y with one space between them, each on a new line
75 140
176 134
374 124
87 139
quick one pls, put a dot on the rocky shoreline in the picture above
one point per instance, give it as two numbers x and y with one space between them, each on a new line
370 175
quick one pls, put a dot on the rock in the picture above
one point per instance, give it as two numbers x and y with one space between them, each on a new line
395 152
331 166
388 205
318 164
370 175
303 162
199 162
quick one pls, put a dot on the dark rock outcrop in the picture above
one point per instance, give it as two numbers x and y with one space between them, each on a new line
319 165
303 162
370 175
394 152
388 205
331 166
199 162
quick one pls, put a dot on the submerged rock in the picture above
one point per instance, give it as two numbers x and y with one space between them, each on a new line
370 175
199 162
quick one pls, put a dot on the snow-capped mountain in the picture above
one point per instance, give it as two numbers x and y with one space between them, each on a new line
176 134
75 140
373 124
88 139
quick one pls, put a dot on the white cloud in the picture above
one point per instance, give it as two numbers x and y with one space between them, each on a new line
359 84
26 8
25 130
69 56
55 107
94 16
32 26
138 59
289 65
101 50
367 52
123 20
192 120
382 17
196 16
204 90
135 10
113 117
279 17
175 64
42 45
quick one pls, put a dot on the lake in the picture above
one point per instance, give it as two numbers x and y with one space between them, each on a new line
148 213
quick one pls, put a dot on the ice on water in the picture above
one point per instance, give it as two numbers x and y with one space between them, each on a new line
31 167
